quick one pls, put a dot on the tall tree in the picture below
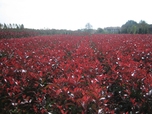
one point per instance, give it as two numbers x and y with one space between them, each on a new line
17 27
21 26
129 27
100 30
10 26
4 26
13 26
88 26
1 26
143 27
134 29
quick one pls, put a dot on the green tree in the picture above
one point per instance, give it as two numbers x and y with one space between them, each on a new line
21 26
17 27
150 28
1 26
10 26
134 29
129 27
4 26
143 27
13 26
88 26
100 30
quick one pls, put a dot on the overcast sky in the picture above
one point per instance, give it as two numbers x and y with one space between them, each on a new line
74 14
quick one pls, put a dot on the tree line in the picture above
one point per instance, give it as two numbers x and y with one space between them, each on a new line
130 27
11 26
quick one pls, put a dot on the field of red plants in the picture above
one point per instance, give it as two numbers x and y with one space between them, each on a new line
69 74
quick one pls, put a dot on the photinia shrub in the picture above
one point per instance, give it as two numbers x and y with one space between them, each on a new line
69 74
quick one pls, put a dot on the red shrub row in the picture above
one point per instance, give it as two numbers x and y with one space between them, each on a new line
76 74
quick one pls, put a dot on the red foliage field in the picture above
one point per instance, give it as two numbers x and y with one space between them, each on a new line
69 74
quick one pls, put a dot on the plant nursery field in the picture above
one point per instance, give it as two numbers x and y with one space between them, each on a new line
76 74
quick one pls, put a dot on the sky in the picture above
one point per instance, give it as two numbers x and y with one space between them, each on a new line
74 14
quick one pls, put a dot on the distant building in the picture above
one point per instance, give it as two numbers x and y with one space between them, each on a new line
113 30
